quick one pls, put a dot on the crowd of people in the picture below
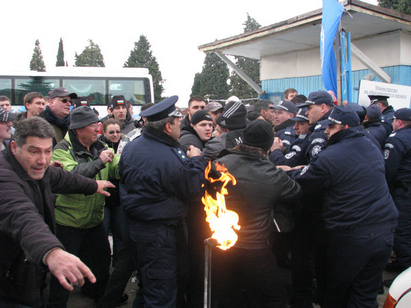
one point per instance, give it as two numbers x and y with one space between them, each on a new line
322 193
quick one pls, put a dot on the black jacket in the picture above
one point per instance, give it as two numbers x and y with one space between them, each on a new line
27 224
260 188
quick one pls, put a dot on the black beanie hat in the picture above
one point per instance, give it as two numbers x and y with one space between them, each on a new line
199 116
233 117
259 134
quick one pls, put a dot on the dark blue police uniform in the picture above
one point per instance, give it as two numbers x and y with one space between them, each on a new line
157 183
397 155
359 217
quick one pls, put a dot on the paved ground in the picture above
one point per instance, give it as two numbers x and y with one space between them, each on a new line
78 300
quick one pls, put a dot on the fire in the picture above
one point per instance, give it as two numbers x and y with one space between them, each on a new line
222 221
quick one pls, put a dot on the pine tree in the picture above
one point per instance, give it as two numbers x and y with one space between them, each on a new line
142 56
402 6
251 67
195 89
60 54
37 62
214 77
91 56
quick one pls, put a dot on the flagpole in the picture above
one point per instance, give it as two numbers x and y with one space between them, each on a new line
339 86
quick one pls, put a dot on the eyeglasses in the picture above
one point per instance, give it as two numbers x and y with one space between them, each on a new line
65 100
114 132
94 125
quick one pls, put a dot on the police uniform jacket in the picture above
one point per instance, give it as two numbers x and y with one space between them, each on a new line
157 179
285 131
27 224
397 155
380 131
260 189
350 172
317 139
296 155
388 114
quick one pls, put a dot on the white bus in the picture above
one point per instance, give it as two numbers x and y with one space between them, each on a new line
99 84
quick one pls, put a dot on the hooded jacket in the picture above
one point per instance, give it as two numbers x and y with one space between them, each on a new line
27 224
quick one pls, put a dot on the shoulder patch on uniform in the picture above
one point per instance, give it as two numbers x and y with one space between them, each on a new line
286 142
393 134
290 155
318 126
180 154
296 148
304 170
389 145
386 154
315 150
318 140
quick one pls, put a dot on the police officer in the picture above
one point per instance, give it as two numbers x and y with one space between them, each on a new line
397 157
358 211
382 102
158 180
296 155
283 123
373 124
319 106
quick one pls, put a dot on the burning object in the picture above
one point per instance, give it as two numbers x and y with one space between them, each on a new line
222 221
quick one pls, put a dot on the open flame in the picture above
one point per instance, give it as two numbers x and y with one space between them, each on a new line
222 221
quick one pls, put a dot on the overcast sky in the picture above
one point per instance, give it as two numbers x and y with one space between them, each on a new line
174 29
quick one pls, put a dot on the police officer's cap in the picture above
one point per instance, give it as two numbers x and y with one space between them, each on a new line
373 111
403 114
342 115
300 116
165 108
318 98
378 98
287 106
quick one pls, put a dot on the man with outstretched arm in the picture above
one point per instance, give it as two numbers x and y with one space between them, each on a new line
27 221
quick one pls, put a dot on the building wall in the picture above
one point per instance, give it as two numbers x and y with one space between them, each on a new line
274 88
301 69
389 49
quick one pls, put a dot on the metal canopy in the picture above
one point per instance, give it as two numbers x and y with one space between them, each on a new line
303 32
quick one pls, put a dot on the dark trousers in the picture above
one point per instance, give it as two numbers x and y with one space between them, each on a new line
402 235
119 278
154 247
307 225
354 265
114 220
248 278
92 247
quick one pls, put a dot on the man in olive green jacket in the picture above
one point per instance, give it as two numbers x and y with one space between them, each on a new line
79 217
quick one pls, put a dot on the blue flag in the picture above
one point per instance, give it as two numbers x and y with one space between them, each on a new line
332 12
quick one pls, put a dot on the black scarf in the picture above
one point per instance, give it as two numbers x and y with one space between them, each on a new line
63 124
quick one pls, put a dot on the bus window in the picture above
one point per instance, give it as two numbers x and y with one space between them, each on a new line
33 84
5 87
94 89
133 90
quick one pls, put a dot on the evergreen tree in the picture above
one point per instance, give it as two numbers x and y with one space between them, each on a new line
195 89
214 77
60 54
37 62
402 6
251 67
91 56
142 56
